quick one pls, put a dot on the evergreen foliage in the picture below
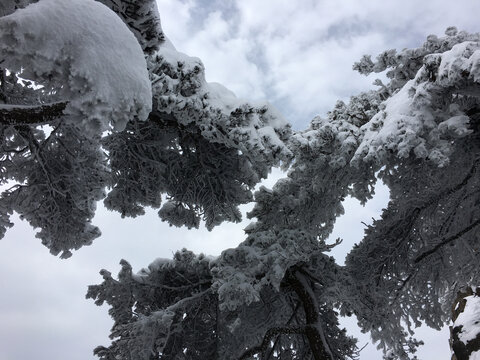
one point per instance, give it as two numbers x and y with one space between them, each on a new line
72 135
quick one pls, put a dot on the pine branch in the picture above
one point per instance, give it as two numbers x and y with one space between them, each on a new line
30 115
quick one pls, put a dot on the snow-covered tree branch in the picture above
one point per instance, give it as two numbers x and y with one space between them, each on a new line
187 139
97 104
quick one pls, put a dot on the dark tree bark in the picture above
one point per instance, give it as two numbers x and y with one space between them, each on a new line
313 329
31 115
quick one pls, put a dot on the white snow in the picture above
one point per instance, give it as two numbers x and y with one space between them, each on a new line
170 55
82 50
159 263
469 319
256 129
394 128
461 59
475 355
457 125
411 119
220 97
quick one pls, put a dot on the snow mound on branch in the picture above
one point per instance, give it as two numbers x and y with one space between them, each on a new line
460 61
84 52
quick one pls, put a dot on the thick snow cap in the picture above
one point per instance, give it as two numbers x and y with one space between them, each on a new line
84 51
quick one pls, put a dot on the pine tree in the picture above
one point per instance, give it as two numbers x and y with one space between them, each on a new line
119 115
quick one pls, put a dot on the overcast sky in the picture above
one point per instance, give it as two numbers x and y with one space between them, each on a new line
296 54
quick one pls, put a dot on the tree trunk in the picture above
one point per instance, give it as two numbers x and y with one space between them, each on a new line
314 331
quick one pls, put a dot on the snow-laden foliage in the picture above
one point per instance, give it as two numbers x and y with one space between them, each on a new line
170 133
68 48
429 109
75 65
180 90
162 157
419 134
150 319
424 247
60 179
170 310
295 218
206 148
259 261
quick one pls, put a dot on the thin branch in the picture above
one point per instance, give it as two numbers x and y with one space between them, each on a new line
35 149
184 302
268 337
199 284
446 241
